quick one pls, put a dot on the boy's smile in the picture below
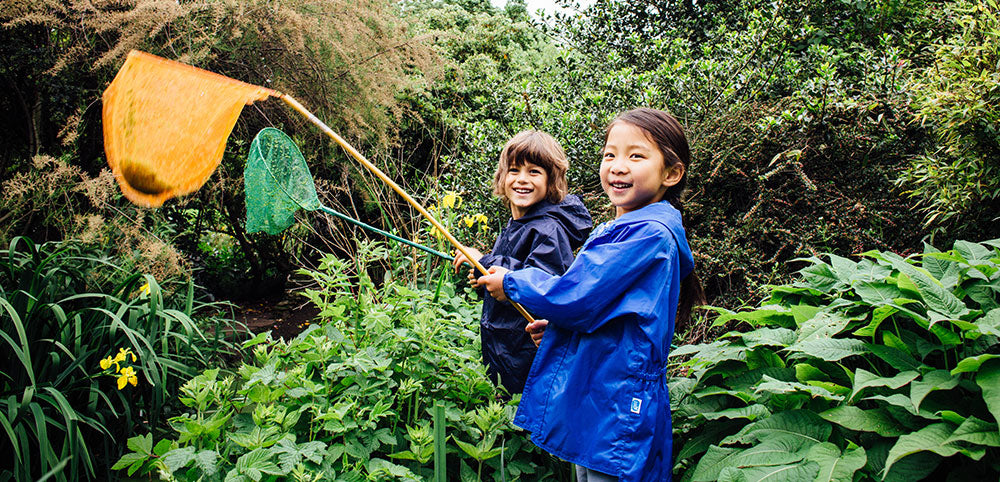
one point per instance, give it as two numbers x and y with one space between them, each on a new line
633 172
524 186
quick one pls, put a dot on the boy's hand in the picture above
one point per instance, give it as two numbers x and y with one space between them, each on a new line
494 282
461 258
536 329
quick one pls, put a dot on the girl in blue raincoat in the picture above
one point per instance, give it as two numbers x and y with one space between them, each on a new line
597 394
545 226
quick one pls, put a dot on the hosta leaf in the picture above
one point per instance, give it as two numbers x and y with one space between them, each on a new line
820 276
823 326
972 363
895 357
834 466
750 412
976 431
931 290
928 439
832 349
777 450
864 379
988 380
935 380
769 336
854 418
877 292
780 473
878 316
801 424
770 385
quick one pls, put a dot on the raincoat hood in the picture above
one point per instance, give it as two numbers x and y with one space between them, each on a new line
571 215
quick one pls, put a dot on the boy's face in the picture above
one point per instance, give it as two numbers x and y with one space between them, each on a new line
524 185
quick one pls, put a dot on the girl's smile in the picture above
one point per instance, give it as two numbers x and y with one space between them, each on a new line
633 172
524 186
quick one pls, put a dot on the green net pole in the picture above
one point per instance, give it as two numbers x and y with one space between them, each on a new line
384 233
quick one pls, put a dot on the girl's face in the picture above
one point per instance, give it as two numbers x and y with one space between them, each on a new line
525 185
633 173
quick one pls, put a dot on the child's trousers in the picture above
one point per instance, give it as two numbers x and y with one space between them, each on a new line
584 474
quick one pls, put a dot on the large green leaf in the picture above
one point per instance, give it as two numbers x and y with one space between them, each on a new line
802 424
895 357
928 439
931 290
820 276
976 431
864 379
711 433
877 292
823 326
831 349
834 466
972 363
770 385
989 324
750 412
780 473
935 380
988 380
768 337
776 449
877 420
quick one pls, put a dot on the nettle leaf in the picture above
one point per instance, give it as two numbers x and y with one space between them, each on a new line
928 439
972 363
832 349
988 380
771 385
769 337
976 431
834 466
931 290
864 379
853 418
177 459
933 381
802 424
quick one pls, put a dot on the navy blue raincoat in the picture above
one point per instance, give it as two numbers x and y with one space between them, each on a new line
543 238
597 392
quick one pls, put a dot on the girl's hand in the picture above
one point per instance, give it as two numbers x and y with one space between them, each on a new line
461 258
494 282
536 329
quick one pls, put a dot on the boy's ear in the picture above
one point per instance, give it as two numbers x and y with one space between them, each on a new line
673 175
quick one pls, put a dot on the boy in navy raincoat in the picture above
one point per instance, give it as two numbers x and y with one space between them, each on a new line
546 225
597 393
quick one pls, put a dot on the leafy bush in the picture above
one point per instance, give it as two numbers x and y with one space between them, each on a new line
348 398
881 369
60 316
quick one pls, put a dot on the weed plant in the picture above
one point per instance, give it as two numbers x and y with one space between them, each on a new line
90 360
350 398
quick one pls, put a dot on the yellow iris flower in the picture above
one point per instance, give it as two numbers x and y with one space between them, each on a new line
451 200
127 375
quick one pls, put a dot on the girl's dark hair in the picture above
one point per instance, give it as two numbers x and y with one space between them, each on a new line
540 149
668 134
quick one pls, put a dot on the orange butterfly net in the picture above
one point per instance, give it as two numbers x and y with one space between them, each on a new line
166 125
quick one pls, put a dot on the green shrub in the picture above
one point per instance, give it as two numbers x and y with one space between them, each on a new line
59 318
881 369
349 398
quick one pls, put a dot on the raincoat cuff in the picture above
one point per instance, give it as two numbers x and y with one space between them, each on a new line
509 288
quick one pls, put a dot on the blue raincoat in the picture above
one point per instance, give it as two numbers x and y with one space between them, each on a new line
597 394
544 238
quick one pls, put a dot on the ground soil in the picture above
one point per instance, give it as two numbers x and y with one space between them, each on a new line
285 315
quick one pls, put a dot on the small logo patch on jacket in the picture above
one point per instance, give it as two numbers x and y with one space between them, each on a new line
636 405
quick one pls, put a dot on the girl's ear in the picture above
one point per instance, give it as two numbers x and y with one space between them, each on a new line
673 175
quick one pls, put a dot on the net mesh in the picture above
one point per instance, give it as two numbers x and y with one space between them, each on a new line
277 182
166 125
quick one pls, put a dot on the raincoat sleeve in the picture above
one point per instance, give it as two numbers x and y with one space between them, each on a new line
550 251
592 289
